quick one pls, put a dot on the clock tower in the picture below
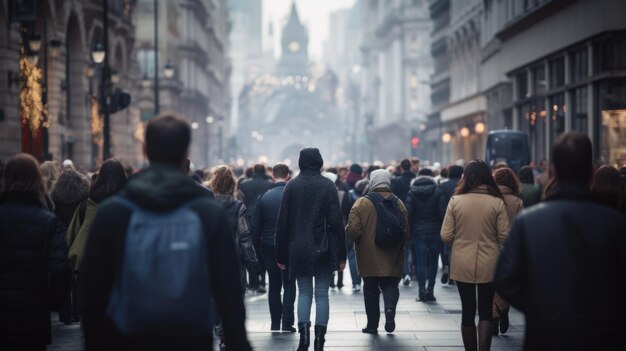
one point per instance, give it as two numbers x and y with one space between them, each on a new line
294 56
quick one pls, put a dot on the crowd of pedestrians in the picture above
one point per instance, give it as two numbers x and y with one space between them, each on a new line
151 259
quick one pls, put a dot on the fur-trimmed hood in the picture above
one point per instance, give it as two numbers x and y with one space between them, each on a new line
71 188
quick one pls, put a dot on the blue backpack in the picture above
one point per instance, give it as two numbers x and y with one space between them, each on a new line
164 284
389 220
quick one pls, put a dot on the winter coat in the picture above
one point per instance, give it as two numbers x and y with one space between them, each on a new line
426 206
476 225
372 260
531 194
78 232
563 265
31 246
251 189
401 185
238 220
309 202
514 204
158 188
68 192
265 214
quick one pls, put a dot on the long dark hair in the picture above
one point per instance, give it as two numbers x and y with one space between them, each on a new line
111 179
476 174
22 174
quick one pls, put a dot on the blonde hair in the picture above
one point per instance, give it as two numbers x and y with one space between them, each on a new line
50 173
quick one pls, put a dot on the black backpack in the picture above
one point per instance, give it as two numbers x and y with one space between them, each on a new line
389 221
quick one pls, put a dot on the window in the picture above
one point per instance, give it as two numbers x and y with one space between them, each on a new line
612 131
539 80
557 73
557 116
611 54
579 112
522 86
579 65
145 57
533 122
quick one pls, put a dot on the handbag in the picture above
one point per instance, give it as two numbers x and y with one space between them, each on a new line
322 248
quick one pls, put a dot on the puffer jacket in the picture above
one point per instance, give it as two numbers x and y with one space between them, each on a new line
426 206
68 192
476 224
238 220
32 245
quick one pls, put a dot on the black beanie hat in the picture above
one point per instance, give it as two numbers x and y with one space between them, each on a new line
310 158
355 168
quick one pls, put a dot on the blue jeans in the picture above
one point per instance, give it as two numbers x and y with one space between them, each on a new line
354 273
406 270
426 249
305 298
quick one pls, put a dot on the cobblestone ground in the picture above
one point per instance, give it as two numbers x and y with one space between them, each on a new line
420 326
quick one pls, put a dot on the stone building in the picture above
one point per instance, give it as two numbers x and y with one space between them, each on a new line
396 71
69 29
194 40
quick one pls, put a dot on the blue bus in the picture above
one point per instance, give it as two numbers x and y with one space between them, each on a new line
508 146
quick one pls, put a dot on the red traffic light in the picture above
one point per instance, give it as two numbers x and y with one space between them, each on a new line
415 141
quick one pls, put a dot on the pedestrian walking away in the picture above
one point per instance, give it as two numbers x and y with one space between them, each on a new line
310 242
475 225
400 187
164 247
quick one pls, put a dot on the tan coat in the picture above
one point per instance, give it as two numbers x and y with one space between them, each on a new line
373 261
514 204
476 225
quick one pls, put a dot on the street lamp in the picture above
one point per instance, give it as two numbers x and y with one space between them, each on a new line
115 76
210 119
98 53
34 41
55 46
168 70
32 57
194 125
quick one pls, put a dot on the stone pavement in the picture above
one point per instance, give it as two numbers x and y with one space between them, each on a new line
419 326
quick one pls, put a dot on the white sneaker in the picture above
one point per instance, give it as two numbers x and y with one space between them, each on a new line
356 288
407 280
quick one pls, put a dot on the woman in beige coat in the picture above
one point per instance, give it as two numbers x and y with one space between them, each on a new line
510 186
475 225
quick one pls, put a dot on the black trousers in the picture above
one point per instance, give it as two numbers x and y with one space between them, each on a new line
467 291
279 279
372 287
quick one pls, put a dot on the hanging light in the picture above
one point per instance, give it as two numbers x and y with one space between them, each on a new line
479 128
210 119
34 41
446 137
98 53
465 132
32 57
115 76
55 46
194 125
168 70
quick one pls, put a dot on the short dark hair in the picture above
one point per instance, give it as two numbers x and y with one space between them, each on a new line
259 169
572 157
526 175
281 171
455 171
415 161
405 164
425 172
167 139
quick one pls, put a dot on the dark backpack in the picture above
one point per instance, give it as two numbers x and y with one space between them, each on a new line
389 220
164 284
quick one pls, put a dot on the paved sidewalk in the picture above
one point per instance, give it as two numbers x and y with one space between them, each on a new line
420 326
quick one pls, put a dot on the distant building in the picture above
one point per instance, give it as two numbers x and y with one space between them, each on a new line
397 67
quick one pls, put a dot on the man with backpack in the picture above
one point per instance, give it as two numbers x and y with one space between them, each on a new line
160 262
379 227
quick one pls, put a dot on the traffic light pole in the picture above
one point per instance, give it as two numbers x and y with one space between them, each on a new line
105 86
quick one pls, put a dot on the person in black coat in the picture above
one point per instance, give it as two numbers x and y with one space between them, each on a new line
447 189
400 187
309 212
564 262
426 206
32 245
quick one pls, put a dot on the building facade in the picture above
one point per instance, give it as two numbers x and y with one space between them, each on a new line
68 31
397 68
194 39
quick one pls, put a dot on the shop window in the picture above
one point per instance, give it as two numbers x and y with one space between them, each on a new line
533 121
557 116
539 80
522 86
557 73
612 105
580 65
579 112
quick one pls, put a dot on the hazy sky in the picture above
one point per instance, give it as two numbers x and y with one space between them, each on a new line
313 13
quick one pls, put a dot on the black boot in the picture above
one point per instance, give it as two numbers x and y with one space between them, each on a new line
305 336
320 332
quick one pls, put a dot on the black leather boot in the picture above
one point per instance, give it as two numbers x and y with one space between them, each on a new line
305 336
320 332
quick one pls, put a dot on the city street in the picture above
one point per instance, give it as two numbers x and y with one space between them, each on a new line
420 326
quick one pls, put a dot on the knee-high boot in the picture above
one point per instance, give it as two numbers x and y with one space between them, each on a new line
320 332
305 336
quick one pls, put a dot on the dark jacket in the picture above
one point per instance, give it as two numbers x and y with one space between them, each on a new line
252 188
448 188
32 244
531 194
426 206
401 185
158 188
238 221
309 201
265 214
563 265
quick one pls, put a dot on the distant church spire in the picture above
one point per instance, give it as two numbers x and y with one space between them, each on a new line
294 46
